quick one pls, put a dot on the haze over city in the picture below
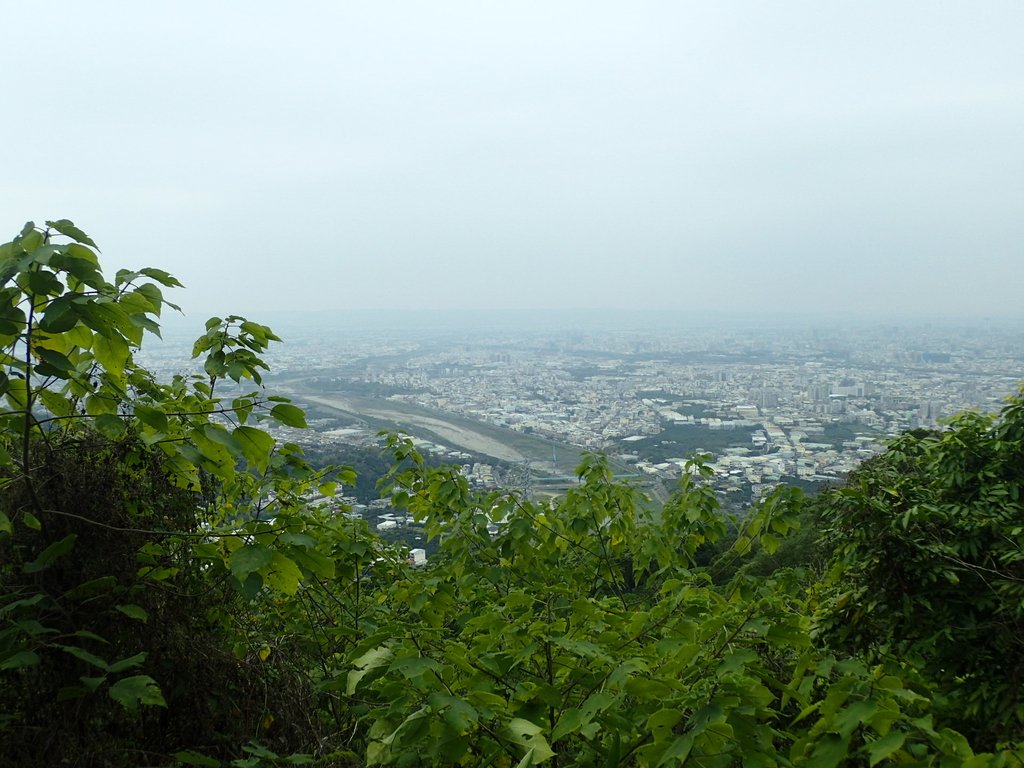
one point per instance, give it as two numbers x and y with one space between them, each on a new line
557 384
860 158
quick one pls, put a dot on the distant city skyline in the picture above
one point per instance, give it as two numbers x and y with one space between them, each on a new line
440 323
740 159
765 403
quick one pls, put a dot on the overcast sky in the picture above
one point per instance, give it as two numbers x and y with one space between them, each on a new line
863 157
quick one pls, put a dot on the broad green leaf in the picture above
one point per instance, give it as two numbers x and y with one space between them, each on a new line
214 456
96 405
215 365
19 660
60 315
87 635
529 736
67 228
369 661
86 656
111 351
153 296
661 723
17 393
188 757
56 403
134 612
248 559
93 683
80 336
52 553
261 332
859 712
30 237
96 317
414 667
736 660
460 715
573 720
255 445
53 363
242 406
831 750
123 276
128 663
289 415
313 561
303 540
251 586
146 323
884 747
254 748
570 722
131 692
677 753
582 648
110 425
12 317
283 575
164 278
218 434
81 269
42 282
151 417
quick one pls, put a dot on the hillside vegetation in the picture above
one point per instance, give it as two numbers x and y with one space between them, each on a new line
169 596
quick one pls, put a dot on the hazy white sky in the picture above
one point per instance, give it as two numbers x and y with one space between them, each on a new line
859 156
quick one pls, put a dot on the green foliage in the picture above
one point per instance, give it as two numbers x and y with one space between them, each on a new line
795 544
170 593
930 565
583 634
125 498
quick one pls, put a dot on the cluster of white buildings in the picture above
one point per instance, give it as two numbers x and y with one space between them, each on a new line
780 392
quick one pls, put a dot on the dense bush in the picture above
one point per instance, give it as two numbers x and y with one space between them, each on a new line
169 595
929 569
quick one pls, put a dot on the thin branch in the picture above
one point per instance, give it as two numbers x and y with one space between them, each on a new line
29 419
222 410
155 532
537 521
